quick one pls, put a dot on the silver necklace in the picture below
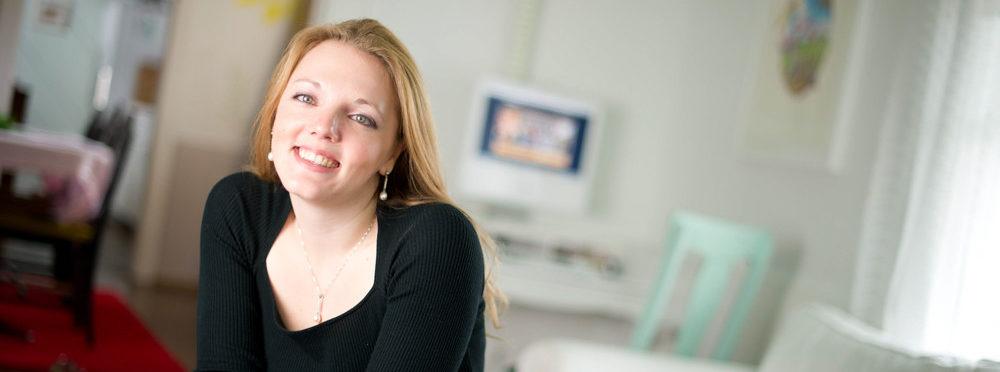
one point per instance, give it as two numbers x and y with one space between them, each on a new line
321 293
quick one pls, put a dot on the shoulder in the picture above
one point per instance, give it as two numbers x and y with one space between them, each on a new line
435 228
237 184
437 243
241 188
241 195
435 211
242 209
433 217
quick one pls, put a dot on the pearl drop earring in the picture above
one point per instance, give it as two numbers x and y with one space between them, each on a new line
384 195
270 156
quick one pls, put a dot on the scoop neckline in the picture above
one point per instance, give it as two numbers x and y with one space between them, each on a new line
285 212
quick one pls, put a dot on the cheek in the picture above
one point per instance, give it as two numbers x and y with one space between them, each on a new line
385 149
363 153
282 119
280 138
284 127
366 154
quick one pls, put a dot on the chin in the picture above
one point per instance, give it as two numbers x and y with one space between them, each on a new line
304 190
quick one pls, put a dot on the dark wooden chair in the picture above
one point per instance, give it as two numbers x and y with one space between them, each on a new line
76 244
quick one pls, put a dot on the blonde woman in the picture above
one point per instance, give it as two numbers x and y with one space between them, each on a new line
341 250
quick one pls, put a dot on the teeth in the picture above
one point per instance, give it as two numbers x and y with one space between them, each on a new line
315 158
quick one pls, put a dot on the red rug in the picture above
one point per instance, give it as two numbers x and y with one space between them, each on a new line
122 343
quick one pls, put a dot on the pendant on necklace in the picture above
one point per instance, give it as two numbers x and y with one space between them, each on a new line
319 309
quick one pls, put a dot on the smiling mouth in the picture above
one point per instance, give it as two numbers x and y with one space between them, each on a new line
316 159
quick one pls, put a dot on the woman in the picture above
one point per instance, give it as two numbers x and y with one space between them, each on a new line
341 251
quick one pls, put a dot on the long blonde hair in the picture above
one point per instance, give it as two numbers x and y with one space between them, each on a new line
416 177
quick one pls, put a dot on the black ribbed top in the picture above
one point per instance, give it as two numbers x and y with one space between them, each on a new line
423 313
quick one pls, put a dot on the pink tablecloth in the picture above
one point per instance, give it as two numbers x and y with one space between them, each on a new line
77 169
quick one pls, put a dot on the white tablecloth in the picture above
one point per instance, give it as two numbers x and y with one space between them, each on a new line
77 170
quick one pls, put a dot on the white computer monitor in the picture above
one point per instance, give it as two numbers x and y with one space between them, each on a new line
529 148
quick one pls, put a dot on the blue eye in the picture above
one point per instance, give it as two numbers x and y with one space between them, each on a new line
304 98
364 120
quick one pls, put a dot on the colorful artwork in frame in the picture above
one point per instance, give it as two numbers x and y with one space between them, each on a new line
801 83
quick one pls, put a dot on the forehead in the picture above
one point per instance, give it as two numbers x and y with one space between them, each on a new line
341 66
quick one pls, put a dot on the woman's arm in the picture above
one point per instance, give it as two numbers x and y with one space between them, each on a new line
229 328
433 298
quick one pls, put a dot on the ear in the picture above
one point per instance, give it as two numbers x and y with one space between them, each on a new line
391 162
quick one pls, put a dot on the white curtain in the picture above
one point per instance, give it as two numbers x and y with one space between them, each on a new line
929 259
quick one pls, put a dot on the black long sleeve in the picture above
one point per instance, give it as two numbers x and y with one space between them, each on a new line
229 323
423 313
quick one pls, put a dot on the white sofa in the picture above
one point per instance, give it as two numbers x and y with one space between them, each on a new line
815 339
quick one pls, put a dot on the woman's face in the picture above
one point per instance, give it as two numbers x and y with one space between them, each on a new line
335 126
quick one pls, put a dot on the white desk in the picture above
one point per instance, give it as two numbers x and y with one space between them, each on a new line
543 283
549 287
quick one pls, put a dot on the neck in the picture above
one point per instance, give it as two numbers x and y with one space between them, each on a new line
332 227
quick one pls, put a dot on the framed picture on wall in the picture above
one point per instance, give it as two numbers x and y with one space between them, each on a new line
54 16
800 90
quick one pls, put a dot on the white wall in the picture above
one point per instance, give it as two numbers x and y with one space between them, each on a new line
10 31
672 76
141 38
60 68
218 60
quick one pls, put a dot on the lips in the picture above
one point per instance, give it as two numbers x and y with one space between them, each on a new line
316 158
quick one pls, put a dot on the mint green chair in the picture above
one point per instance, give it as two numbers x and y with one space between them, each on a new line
718 302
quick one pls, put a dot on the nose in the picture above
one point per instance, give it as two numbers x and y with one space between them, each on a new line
327 129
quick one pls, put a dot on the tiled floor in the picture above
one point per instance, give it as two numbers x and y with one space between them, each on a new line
170 314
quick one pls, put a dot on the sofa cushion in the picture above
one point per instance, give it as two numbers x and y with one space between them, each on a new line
819 338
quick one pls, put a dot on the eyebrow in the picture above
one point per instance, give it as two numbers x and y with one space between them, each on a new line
312 82
362 101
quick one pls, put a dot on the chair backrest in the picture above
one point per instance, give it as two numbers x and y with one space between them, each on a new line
732 262
114 130
99 120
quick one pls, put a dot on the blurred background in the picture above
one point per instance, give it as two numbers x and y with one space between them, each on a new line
858 137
